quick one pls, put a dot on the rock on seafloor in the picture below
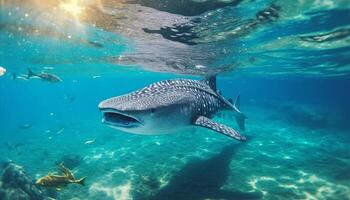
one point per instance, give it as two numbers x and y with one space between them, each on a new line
16 184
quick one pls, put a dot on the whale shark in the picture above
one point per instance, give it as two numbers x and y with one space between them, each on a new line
171 106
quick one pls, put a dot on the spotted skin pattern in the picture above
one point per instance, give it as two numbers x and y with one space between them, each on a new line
203 100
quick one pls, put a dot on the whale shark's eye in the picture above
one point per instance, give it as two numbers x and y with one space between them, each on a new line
153 110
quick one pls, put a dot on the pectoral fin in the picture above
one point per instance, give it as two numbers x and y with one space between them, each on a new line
207 123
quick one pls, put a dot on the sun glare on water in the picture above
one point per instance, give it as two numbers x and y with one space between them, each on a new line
73 7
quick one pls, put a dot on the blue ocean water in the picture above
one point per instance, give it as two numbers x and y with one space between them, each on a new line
289 60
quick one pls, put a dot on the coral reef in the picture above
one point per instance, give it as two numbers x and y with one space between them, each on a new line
15 184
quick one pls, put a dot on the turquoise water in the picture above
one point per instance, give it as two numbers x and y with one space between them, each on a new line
289 61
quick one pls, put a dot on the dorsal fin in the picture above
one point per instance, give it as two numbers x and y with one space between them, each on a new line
211 81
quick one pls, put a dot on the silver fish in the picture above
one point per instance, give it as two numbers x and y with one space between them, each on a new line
44 76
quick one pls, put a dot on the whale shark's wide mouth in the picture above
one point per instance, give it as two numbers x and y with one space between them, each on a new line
115 118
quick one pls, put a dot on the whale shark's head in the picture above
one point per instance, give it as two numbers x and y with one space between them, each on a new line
141 114
121 115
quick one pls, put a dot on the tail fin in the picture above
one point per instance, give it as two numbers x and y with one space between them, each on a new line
30 73
81 181
240 117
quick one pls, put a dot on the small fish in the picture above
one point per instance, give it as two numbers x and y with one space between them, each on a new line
44 76
21 76
60 131
2 71
328 37
48 68
96 44
90 141
59 181
25 126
